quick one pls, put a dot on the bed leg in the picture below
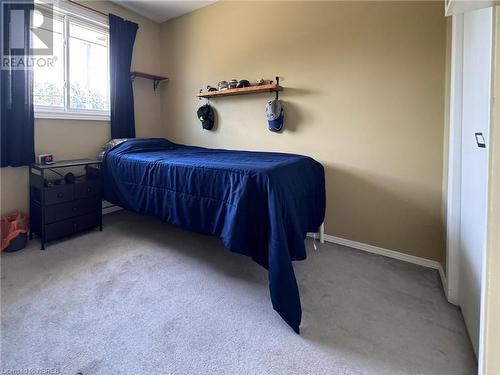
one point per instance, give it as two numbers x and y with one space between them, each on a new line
322 233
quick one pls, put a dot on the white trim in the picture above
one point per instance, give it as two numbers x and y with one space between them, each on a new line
69 115
385 252
322 233
388 253
455 177
455 7
110 209
75 14
444 281
455 161
447 5
81 12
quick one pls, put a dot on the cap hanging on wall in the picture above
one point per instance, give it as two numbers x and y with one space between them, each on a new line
206 116
275 115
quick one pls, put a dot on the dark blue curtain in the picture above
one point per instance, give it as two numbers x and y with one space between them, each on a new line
121 41
16 97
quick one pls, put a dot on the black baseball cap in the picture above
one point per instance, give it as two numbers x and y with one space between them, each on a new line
206 116
243 83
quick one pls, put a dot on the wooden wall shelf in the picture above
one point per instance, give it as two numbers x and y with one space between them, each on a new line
255 89
156 79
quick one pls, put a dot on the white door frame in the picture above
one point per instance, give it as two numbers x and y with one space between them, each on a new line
454 161
482 326
455 174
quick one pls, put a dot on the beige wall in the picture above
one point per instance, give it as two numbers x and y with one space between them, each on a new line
82 139
364 94
492 287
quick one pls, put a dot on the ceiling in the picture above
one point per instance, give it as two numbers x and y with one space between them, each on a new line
163 10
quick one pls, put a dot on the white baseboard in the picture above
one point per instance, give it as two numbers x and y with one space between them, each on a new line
108 207
108 210
444 282
388 253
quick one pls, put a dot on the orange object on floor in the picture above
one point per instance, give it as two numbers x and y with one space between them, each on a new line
12 225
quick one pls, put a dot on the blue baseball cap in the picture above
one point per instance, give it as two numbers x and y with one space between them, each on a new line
275 115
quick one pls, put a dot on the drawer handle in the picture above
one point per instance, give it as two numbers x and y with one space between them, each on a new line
89 190
60 195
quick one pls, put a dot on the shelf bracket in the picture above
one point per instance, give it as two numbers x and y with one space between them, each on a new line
278 83
156 79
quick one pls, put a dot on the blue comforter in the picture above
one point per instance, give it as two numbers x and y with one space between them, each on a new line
261 204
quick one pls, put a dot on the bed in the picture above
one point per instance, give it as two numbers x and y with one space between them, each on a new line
260 204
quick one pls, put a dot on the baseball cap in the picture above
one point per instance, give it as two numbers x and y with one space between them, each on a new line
243 83
275 115
206 116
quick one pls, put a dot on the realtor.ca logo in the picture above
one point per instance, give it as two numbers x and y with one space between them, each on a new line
26 35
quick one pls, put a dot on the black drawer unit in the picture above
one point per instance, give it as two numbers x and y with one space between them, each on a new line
59 208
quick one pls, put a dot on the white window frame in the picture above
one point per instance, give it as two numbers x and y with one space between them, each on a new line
70 12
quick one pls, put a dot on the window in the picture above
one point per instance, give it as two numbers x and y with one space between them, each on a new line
75 84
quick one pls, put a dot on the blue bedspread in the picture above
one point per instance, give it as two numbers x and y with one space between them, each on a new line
260 204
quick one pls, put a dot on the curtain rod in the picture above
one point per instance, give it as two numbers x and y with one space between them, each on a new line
89 8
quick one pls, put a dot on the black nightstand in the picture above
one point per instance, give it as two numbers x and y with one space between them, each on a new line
59 209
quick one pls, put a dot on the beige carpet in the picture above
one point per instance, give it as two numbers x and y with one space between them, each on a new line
143 297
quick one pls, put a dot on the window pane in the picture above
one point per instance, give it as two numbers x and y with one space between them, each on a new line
48 87
88 68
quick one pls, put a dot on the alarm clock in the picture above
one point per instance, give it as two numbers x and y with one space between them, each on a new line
46 159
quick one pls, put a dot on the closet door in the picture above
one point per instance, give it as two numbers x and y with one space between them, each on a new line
477 72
